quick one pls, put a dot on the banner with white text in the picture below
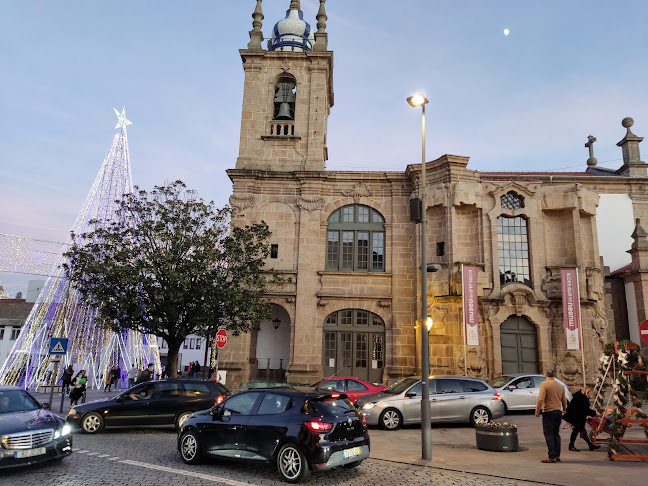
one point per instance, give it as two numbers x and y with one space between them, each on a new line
470 307
571 306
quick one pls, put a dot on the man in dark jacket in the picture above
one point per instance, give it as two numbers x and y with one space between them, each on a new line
145 375
577 412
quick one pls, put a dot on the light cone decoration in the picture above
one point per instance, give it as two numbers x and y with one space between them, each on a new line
60 310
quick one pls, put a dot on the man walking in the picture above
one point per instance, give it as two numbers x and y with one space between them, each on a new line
552 402
145 375
132 374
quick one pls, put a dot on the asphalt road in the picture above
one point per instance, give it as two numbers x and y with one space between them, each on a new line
149 457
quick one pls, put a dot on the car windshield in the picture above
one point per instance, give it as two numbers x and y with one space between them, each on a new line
401 386
333 406
500 381
13 401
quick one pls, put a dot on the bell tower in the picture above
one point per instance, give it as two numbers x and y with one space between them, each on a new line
287 96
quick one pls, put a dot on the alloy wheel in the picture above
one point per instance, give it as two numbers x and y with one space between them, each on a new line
391 419
480 416
290 462
189 447
91 423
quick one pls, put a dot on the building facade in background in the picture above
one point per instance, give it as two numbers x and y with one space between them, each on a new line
350 243
13 314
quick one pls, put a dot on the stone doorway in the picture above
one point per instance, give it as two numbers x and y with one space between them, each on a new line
354 345
272 347
519 340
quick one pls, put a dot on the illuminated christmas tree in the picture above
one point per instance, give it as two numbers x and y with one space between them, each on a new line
60 311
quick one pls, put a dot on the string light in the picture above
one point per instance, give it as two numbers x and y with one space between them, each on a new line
60 310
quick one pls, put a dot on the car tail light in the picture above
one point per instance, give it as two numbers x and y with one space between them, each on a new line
316 426
497 396
335 395
364 419
219 399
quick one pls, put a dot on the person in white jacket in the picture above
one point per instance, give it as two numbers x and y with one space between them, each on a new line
132 373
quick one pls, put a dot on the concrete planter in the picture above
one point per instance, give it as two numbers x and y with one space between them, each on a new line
496 439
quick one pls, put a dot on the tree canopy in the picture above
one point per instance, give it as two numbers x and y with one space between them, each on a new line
170 264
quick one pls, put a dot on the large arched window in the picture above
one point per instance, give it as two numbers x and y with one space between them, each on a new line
355 240
513 248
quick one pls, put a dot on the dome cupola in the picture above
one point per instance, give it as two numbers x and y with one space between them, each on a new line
292 33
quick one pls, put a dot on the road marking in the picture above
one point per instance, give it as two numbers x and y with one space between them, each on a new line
93 453
80 451
113 458
208 477
104 455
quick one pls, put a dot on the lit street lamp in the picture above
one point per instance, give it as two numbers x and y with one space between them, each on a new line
426 424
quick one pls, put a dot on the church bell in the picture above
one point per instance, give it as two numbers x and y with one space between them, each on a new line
284 112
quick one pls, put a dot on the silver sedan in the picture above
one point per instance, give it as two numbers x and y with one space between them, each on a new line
452 399
520 391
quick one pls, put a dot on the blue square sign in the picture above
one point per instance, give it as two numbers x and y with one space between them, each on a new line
58 346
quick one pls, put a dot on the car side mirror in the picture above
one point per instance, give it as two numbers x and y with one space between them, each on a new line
45 406
512 387
411 394
216 411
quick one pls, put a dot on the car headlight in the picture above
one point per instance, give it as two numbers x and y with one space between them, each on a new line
72 412
368 406
63 431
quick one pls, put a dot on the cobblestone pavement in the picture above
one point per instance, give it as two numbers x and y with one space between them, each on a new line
149 457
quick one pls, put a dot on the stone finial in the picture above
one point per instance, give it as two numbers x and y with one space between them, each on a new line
294 5
591 162
321 37
640 237
632 164
256 36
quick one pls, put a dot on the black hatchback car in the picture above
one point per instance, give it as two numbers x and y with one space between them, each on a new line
163 402
295 431
28 432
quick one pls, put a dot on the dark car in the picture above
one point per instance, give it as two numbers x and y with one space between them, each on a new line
295 431
28 432
163 402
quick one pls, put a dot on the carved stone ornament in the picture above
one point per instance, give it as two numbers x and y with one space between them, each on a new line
358 190
290 301
594 283
384 303
311 203
476 362
322 302
570 367
551 287
241 202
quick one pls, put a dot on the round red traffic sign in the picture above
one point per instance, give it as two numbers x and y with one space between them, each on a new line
643 331
221 338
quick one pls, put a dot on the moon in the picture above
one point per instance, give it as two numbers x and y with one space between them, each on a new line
506 32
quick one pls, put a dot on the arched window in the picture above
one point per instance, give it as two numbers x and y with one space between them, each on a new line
513 248
355 240
284 100
354 344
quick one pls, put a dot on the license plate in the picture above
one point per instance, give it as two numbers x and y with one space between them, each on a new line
29 453
353 452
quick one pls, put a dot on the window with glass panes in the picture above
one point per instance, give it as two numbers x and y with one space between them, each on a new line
355 240
513 249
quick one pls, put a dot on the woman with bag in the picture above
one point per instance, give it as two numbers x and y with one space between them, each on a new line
66 379
79 383
577 412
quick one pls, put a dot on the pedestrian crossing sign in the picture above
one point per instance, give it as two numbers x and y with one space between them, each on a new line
58 346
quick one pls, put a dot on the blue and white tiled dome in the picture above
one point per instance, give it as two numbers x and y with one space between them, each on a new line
292 33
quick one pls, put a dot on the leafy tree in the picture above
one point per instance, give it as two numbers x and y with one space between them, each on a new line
169 264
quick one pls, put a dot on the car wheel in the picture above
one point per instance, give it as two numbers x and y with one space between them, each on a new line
390 419
92 423
190 448
506 410
181 418
480 415
351 465
292 464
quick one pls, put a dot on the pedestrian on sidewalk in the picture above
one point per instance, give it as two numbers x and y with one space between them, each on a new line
552 402
132 374
577 412
79 383
145 375
109 378
116 373
66 379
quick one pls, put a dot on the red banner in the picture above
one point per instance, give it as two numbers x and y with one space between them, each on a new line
571 307
470 307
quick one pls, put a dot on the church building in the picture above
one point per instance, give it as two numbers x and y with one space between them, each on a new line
349 242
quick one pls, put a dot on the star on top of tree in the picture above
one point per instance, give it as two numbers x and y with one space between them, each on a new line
122 122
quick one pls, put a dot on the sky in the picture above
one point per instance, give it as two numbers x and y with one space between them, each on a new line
522 102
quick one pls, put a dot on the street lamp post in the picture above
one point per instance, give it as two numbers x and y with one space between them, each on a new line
426 424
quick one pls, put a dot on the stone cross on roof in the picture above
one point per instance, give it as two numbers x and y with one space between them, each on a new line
590 145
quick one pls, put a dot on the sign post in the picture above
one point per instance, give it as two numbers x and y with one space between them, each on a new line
221 341
57 347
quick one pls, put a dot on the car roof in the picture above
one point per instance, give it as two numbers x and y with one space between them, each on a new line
441 377
305 392
344 378
9 387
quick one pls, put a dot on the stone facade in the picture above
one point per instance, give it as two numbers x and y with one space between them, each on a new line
280 178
